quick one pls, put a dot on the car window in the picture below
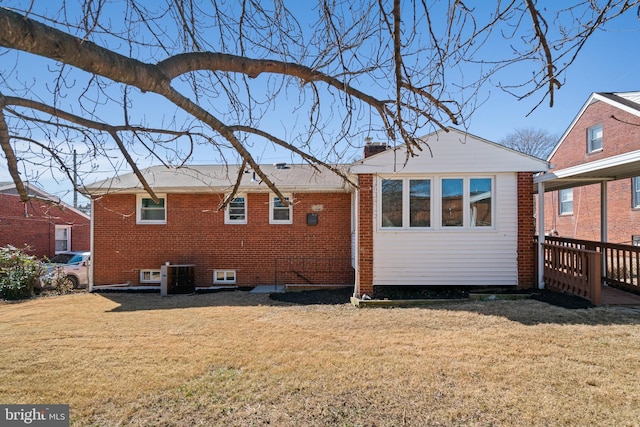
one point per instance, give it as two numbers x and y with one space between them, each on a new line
75 260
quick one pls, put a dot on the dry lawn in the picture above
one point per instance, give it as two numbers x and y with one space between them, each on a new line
241 359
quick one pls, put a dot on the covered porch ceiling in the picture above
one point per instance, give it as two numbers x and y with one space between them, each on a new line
610 169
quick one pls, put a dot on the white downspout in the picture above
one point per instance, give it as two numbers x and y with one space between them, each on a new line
91 247
541 235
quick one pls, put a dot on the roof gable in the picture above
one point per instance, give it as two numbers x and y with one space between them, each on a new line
451 151
626 101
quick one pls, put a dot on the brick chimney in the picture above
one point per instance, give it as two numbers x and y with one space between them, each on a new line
372 148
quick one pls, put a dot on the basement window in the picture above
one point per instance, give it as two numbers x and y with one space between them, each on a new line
150 276
224 277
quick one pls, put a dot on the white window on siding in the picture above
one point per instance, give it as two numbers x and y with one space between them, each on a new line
392 202
63 238
236 211
150 276
566 201
635 186
279 213
594 138
480 202
149 212
419 203
224 277
452 202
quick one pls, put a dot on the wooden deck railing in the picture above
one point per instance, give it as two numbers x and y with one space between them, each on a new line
621 263
572 270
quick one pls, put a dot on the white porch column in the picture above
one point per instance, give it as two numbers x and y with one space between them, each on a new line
540 235
603 212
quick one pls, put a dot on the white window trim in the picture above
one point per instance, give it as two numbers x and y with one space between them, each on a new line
152 272
560 211
406 203
590 140
436 204
227 219
272 198
229 277
635 195
139 219
63 227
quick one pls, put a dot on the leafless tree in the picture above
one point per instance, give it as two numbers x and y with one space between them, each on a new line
532 141
241 77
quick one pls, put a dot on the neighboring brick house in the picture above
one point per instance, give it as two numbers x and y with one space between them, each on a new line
605 133
256 240
43 224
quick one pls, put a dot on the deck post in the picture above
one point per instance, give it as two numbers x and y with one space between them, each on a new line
541 235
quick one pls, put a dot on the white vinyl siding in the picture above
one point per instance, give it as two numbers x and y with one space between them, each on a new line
453 256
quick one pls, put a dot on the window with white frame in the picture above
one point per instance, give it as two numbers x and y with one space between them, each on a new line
405 203
635 187
452 192
236 211
566 201
480 202
149 212
63 238
224 277
150 276
635 240
594 138
280 212
427 203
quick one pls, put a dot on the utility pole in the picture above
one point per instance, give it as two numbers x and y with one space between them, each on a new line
75 180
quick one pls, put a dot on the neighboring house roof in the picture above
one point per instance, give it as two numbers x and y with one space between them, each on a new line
33 190
626 101
222 178
621 166
451 151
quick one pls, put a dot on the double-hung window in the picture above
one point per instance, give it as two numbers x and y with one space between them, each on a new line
63 238
566 201
281 211
236 212
594 138
150 212
635 188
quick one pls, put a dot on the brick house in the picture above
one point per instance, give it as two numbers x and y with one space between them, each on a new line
463 216
256 240
44 224
605 133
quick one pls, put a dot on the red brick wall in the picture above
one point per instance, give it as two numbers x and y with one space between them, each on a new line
33 224
619 136
364 278
526 231
195 233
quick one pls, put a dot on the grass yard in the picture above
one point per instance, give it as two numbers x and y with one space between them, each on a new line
235 358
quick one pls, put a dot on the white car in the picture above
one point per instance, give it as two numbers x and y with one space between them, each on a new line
75 264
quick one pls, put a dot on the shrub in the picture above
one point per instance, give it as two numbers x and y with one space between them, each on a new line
19 273
58 281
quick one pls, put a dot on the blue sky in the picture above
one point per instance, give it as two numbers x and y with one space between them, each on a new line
608 63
